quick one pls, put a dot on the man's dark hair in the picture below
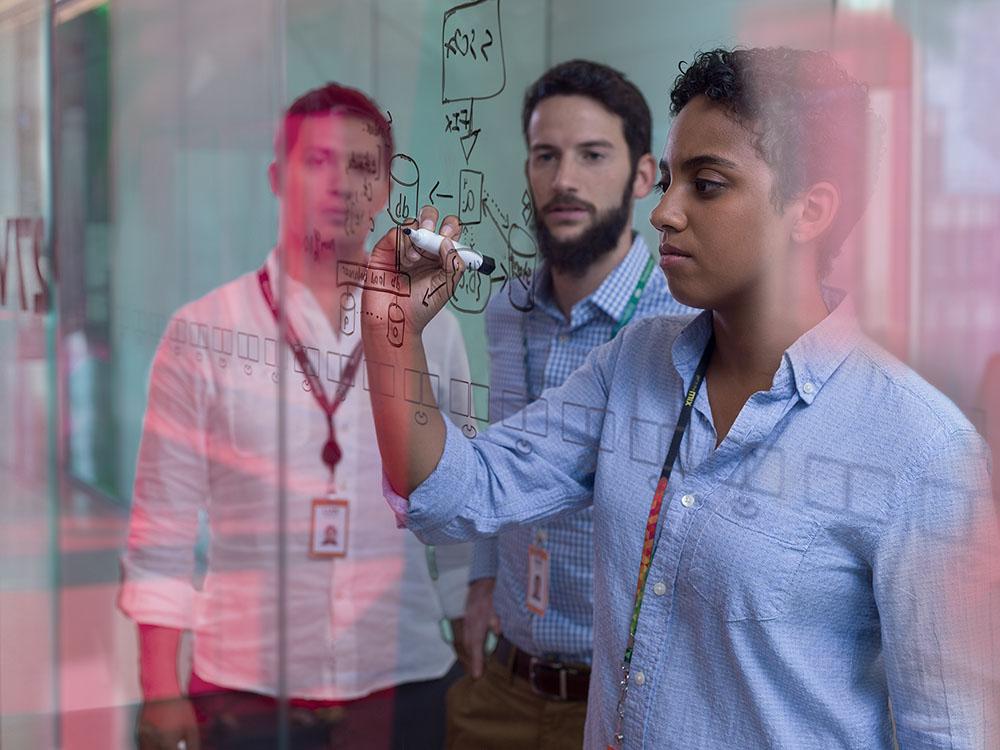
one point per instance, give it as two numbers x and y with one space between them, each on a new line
331 97
606 86
811 120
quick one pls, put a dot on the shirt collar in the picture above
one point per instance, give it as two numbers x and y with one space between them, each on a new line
611 296
298 303
811 360
614 292
817 354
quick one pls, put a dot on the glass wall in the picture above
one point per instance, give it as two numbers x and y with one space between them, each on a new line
138 200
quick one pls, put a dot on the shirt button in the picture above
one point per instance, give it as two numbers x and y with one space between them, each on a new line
640 679
808 387
687 501
660 588
562 338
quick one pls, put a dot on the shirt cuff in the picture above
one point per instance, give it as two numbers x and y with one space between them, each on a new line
398 504
440 498
484 560
166 602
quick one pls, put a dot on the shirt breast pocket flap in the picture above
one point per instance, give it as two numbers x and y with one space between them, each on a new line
746 572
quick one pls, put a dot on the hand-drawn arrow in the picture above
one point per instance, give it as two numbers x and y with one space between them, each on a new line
504 278
469 143
440 195
429 292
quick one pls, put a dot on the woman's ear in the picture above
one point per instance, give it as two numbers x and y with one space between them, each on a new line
818 208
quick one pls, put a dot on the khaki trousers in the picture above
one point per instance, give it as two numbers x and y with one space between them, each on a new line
500 712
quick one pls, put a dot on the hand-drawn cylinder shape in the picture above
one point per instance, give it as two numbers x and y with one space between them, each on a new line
397 325
405 183
347 310
523 256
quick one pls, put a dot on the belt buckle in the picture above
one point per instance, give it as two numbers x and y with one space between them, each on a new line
534 663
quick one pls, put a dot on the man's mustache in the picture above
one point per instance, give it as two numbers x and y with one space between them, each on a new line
568 201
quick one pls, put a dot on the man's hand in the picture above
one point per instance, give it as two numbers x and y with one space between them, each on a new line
480 618
167 724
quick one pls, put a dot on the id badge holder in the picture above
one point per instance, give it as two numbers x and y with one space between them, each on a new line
328 528
538 580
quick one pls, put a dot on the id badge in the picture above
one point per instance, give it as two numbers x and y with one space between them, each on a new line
328 528
538 580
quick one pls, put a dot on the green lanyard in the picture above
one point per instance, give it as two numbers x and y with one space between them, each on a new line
633 302
627 314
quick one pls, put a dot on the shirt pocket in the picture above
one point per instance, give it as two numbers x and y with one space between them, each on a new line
251 417
747 569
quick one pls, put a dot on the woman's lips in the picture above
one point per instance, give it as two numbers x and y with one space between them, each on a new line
672 256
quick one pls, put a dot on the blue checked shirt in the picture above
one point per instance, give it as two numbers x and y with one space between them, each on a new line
556 347
837 551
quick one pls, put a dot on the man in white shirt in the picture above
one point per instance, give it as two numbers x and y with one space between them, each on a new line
257 423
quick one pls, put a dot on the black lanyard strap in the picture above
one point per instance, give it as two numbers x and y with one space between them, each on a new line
653 528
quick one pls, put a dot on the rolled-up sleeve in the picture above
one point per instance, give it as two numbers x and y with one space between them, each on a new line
171 486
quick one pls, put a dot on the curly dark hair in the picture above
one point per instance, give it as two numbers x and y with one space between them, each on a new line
811 120
606 86
322 101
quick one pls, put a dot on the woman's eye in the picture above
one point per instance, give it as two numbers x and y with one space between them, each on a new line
708 187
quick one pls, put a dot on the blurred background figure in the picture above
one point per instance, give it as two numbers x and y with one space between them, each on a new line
310 592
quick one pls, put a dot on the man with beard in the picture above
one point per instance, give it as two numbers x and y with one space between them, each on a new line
587 130
296 528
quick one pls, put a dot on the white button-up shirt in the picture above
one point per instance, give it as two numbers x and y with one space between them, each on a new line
210 449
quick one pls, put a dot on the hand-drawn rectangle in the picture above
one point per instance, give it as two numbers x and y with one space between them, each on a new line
472 60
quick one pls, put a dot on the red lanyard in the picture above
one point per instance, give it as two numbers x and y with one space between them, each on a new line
652 528
331 449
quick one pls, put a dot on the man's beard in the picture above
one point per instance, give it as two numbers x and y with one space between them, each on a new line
574 256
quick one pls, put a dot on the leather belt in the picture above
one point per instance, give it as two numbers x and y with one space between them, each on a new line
549 679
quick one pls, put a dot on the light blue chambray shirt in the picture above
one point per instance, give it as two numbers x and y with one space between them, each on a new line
557 347
835 551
